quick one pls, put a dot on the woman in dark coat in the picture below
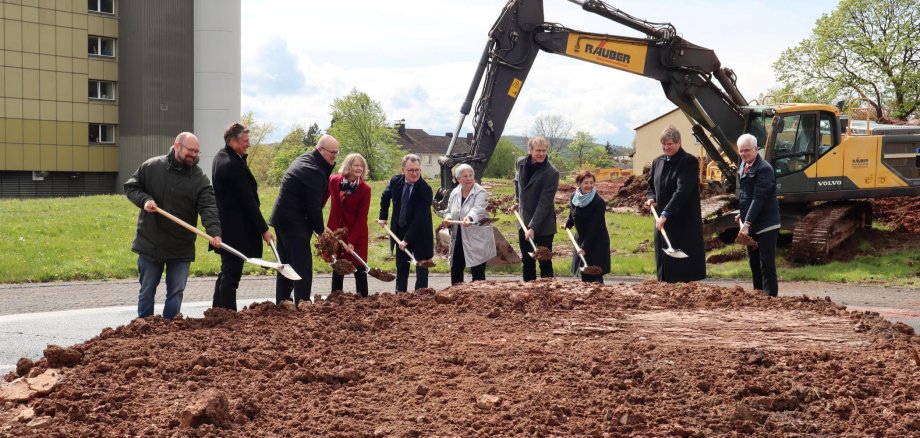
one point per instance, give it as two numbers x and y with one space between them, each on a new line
674 191
350 199
586 214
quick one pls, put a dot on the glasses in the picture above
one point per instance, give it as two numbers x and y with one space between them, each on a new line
190 150
334 153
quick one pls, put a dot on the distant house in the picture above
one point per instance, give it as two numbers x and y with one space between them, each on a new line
429 147
648 138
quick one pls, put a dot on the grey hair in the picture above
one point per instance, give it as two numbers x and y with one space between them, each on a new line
747 139
410 157
536 141
458 169
670 133
349 161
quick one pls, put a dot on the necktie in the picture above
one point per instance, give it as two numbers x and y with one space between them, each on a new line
404 205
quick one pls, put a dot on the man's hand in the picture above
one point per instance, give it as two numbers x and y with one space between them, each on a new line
150 206
581 252
651 203
659 224
215 241
514 207
382 222
267 236
738 218
529 234
745 229
403 244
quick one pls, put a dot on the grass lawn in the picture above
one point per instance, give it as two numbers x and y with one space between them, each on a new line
89 238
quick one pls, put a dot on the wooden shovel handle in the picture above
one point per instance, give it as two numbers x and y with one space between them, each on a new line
391 233
183 224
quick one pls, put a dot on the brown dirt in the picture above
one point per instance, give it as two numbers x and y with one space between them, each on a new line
492 358
542 254
427 263
593 270
381 275
343 267
901 213
328 242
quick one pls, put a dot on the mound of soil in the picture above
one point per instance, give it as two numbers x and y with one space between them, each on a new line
900 213
494 359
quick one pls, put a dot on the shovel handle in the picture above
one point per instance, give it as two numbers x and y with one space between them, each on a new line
663 232
524 227
577 248
195 230
453 222
354 254
271 243
398 240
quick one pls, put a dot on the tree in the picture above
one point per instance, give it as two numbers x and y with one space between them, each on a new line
260 154
501 165
360 125
596 156
291 147
554 128
868 48
583 141
312 136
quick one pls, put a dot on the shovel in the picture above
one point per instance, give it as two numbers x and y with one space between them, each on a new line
676 253
412 260
291 274
285 270
534 245
482 222
590 270
340 267
373 272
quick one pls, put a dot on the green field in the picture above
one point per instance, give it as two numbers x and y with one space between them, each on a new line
89 238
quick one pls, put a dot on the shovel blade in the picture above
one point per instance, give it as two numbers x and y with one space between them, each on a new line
288 272
676 253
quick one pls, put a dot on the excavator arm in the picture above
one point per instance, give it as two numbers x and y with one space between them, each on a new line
686 72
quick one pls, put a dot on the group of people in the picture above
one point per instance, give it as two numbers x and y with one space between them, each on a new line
230 212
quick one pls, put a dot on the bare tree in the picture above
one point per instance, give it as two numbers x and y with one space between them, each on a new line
554 128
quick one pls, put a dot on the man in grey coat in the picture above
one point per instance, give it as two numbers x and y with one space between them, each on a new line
174 183
535 184
759 216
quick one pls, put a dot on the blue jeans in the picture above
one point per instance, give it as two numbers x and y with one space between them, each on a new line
176 276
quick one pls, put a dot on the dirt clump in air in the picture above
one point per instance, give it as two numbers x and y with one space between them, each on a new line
544 358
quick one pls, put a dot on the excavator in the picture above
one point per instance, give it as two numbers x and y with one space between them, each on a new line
824 173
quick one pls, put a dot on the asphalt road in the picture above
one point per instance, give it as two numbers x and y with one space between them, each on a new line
35 315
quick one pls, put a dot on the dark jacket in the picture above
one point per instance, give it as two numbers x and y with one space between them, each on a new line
757 195
592 235
417 233
535 195
304 189
674 185
238 203
184 191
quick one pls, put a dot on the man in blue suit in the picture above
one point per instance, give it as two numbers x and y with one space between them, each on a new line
411 221
759 216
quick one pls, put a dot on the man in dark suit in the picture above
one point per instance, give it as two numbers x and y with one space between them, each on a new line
298 214
238 208
535 183
674 189
759 216
411 198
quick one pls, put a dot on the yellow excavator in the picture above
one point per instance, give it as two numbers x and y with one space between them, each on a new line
824 172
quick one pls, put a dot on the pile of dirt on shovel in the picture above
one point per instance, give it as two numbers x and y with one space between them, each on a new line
545 358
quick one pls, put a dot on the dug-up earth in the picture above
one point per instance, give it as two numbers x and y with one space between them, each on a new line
490 359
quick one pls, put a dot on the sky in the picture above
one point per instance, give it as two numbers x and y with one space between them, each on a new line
417 59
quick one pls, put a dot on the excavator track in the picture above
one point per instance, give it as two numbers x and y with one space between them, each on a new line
824 228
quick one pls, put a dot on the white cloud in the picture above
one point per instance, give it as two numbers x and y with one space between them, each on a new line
417 58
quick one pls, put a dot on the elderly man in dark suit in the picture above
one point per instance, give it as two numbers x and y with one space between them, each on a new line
674 188
535 184
241 220
411 198
759 216
298 214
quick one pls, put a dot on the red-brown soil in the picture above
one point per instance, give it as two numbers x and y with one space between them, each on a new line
901 213
490 359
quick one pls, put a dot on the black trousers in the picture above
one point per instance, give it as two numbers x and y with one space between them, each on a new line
458 263
763 262
530 265
338 281
228 281
402 273
294 249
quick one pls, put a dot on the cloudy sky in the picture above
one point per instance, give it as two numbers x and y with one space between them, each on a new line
417 58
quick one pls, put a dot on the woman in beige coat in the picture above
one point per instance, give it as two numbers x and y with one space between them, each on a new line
471 245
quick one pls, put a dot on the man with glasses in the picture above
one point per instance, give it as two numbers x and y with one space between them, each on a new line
298 214
411 221
175 183
240 217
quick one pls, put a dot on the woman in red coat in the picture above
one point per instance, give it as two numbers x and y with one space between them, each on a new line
351 199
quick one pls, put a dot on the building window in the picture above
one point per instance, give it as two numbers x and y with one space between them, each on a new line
427 159
101 46
102 6
99 133
104 90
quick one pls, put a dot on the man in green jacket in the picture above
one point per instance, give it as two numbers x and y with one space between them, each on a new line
174 183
